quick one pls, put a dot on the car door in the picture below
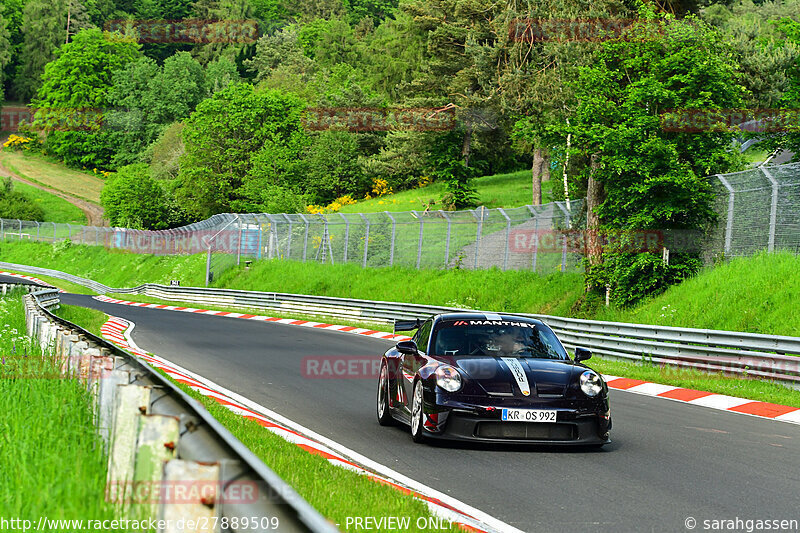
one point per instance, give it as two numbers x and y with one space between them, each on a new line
411 363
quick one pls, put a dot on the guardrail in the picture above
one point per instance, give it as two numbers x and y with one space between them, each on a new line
200 449
771 357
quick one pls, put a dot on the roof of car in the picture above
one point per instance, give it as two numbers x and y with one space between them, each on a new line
487 316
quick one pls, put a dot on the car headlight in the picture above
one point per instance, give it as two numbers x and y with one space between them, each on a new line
448 378
591 384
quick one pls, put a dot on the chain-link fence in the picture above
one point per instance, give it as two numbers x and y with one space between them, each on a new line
531 238
758 209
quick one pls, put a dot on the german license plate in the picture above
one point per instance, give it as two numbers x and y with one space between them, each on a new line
529 415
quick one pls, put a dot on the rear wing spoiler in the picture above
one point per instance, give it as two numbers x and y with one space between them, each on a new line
407 325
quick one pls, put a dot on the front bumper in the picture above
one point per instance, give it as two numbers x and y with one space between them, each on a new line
576 425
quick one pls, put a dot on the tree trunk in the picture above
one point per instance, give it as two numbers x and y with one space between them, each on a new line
595 195
536 176
466 148
546 168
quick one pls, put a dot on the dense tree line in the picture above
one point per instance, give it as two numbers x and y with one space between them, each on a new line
198 129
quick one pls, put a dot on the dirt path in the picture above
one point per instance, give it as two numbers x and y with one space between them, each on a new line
94 213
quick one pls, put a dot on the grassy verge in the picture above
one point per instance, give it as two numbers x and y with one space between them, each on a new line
51 458
694 379
50 173
513 291
55 209
499 190
89 319
757 294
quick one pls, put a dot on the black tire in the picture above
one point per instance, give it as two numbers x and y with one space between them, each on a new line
383 410
417 414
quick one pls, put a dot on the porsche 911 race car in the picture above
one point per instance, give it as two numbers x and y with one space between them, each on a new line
491 378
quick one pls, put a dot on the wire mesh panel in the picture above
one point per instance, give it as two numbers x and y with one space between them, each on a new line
758 209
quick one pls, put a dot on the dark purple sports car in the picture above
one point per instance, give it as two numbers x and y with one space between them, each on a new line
492 378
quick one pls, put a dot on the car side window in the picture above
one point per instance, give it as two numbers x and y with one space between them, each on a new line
423 336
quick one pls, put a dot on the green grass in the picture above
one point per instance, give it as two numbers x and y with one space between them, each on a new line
115 268
50 173
89 319
518 291
51 459
757 294
55 209
499 190
704 381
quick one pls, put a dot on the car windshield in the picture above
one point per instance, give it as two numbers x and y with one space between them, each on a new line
505 338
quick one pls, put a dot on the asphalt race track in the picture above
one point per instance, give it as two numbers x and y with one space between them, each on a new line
668 461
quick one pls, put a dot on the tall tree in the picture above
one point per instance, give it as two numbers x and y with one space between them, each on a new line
44 25
222 136
74 96
5 52
642 176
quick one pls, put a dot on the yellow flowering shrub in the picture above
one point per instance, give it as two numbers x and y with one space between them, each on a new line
332 207
17 142
380 187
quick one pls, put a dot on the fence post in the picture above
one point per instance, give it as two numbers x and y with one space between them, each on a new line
208 267
564 244
54 232
38 227
69 231
366 240
96 236
478 233
773 210
2 230
394 232
239 248
346 236
447 239
305 239
419 244
535 237
289 241
729 221
508 237
20 230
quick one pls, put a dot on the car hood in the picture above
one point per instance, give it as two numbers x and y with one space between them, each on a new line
512 376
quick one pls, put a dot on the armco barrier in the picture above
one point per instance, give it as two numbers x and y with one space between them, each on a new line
770 357
166 444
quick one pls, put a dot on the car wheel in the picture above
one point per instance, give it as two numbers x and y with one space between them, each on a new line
384 414
417 433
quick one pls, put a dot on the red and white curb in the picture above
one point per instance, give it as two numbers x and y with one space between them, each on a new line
773 411
26 277
118 331
783 413
289 321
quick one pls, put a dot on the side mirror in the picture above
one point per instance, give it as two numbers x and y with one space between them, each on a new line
582 354
407 347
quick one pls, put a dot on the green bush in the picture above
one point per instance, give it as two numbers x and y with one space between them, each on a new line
16 205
